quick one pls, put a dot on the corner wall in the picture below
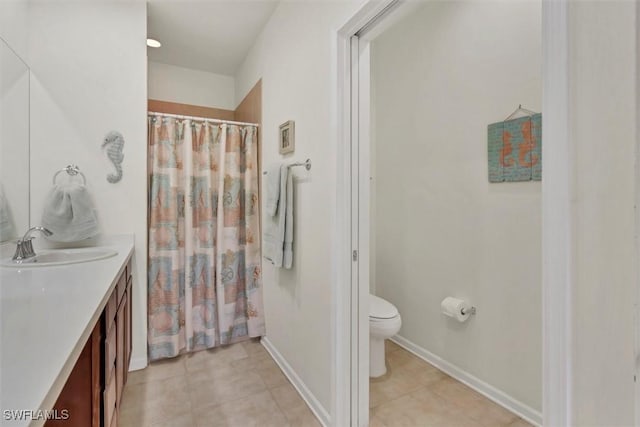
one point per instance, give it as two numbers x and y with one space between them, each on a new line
295 56
188 86
88 65
441 228
15 26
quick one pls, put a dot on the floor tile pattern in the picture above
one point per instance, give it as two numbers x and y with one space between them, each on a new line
241 386
235 386
413 393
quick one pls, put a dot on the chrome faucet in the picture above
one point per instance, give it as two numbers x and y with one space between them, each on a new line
24 248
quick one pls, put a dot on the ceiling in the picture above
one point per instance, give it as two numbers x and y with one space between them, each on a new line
213 35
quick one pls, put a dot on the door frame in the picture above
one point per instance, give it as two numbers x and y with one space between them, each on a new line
351 331
636 317
351 234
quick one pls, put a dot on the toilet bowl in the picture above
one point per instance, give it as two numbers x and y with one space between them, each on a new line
384 322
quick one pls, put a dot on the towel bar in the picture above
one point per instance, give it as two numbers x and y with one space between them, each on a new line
306 164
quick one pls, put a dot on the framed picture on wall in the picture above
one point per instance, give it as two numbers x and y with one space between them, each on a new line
287 137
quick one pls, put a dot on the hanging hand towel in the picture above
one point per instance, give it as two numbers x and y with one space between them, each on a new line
69 213
274 230
278 234
273 189
7 230
288 227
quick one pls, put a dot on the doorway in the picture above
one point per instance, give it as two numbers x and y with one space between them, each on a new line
355 72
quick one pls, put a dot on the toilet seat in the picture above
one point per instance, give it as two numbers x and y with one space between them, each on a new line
381 309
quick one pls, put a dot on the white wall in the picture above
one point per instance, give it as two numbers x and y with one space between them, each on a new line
604 182
14 139
14 110
439 77
295 56
188 86
88 63
14 25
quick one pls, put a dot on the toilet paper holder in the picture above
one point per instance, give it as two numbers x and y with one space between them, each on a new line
470 310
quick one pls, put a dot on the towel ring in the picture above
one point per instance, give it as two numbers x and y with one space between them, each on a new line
72 170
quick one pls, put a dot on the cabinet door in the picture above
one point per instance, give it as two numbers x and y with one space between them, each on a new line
78 404
120 340
127 333
109 399
121 287
96 368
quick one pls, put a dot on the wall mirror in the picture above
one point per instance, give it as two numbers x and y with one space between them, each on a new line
14 144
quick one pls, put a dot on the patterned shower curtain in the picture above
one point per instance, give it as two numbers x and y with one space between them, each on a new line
205 281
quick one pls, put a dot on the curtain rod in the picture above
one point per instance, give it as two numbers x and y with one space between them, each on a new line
205 119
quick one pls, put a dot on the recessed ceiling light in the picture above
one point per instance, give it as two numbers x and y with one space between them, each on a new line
153 43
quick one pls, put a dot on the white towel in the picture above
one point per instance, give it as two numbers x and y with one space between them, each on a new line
7 229
273 242
273 189
288 230
69 213
278 234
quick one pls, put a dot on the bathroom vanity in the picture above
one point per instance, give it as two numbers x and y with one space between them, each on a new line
66 340
93 391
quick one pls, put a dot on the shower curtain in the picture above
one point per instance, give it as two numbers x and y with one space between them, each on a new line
205 281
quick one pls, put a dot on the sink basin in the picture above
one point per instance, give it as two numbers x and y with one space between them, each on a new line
48 258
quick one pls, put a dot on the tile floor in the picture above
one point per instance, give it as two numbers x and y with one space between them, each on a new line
241 386
413 393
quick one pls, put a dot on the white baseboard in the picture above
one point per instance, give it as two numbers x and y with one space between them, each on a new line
316 407
523 411
137 364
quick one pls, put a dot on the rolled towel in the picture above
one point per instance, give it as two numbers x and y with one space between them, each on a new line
69 213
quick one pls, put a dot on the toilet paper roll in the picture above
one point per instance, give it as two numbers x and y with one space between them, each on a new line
453 307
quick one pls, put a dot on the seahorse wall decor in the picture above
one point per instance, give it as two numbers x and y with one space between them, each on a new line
114 143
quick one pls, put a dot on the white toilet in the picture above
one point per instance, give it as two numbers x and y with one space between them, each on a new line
384 322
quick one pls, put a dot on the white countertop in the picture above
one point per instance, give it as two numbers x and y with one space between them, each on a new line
46 317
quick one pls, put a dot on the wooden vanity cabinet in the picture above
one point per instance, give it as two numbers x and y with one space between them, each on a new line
75 408
93 392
